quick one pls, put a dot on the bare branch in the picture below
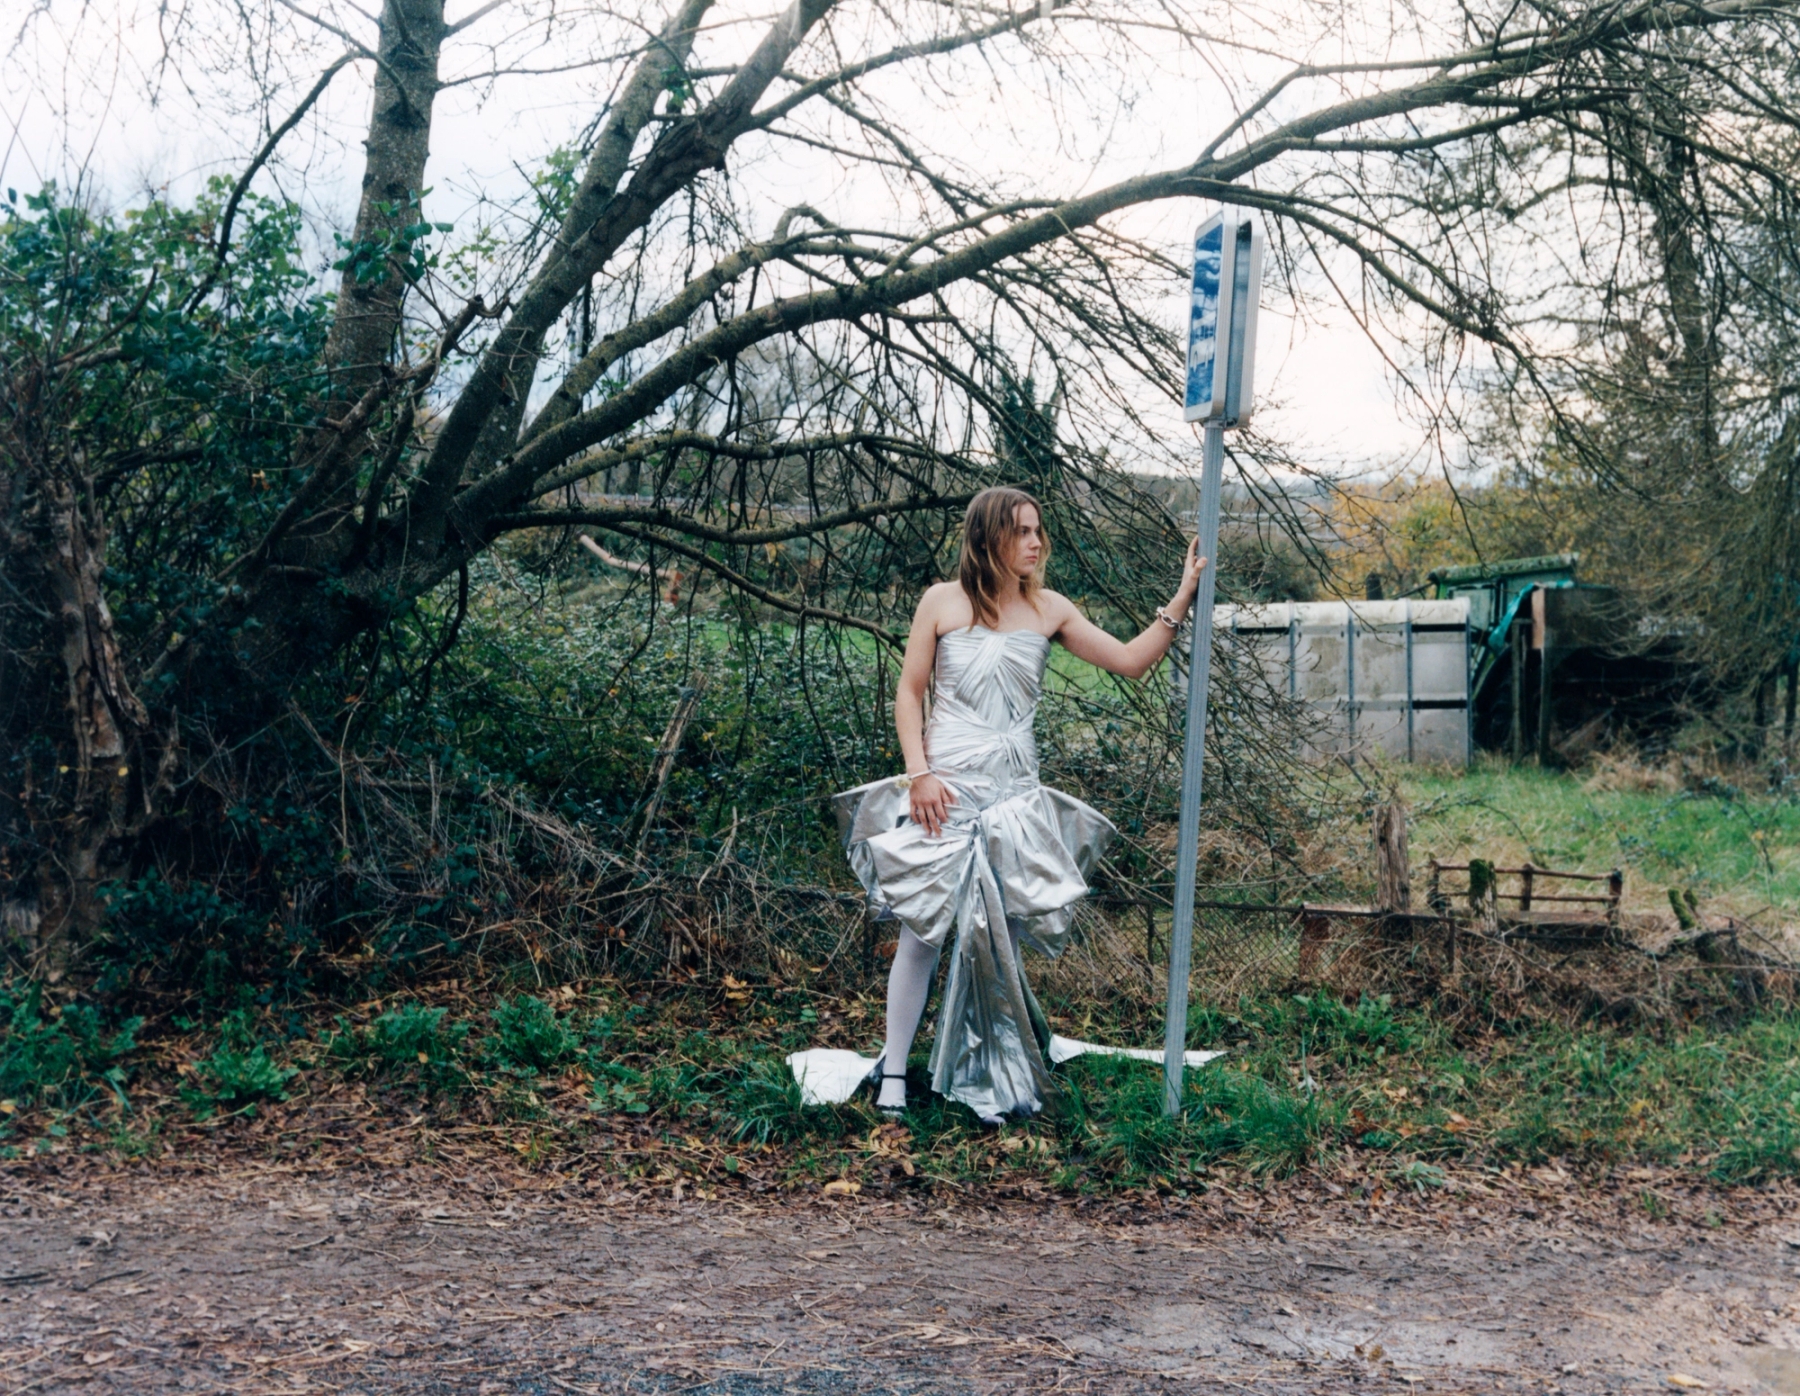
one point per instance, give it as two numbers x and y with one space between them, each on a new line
893 638
669 519
257 161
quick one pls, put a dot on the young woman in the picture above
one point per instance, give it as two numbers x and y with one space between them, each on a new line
967 845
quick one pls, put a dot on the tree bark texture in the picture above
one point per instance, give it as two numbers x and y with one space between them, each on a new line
1393 865
398 145
73 726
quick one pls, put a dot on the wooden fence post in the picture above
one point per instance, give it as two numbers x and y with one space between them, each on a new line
1393 870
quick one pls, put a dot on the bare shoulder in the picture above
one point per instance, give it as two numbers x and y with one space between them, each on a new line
1057 609
944 605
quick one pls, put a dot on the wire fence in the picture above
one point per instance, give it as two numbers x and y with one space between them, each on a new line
1462 965
1120 954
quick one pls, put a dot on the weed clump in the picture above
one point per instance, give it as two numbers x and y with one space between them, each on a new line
58 1057
239 1075
528 1038
414 1033
410 1042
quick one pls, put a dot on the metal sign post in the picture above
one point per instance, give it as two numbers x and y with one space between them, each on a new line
1220 377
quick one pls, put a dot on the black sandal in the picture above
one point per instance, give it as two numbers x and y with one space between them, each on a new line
892 1112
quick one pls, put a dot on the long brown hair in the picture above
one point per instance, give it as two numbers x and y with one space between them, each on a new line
988 532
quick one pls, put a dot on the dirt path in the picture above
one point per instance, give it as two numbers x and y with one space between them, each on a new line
379 1283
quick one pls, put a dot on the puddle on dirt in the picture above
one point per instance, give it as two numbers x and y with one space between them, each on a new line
1777 1368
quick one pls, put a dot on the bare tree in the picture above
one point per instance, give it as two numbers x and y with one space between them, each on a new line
646 317
1656 428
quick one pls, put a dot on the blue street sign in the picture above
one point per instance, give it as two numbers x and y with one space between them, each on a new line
1222 306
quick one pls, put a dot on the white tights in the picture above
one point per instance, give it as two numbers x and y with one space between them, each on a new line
909 985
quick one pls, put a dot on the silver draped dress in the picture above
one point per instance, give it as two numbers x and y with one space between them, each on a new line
1006 870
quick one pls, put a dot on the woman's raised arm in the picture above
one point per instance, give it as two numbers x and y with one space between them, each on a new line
1132 658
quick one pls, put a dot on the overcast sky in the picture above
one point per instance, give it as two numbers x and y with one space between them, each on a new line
95 101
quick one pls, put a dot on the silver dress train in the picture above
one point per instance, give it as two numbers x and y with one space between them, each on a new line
1008 868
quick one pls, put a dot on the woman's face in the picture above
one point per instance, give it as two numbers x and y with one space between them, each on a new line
1027 543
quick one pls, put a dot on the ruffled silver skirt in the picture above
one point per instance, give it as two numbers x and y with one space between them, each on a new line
1007 870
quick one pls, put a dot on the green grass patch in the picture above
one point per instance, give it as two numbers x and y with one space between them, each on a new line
1732 843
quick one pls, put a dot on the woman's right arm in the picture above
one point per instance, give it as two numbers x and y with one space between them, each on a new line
931 799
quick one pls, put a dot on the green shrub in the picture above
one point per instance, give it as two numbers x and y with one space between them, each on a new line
414 1035
239 1074
528 1037
58 1058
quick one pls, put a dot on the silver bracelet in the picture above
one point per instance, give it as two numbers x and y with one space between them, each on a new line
1162 614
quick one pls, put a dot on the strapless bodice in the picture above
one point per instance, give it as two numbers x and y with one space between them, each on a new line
984 696
997 676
